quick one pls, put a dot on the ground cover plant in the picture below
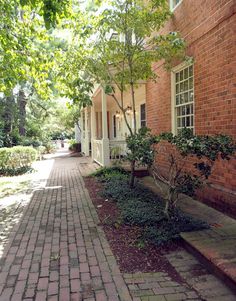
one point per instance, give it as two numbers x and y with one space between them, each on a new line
131 252
142 208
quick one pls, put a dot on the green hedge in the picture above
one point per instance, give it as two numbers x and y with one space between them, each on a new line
16 157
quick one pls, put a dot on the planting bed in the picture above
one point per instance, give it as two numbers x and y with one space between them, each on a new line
131 252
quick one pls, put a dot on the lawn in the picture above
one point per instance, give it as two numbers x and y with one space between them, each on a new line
13 185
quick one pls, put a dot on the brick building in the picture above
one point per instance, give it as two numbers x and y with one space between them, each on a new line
201 95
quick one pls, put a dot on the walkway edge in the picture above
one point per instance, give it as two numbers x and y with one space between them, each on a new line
210 263
214 247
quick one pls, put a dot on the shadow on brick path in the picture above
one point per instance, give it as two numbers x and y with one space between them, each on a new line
56 251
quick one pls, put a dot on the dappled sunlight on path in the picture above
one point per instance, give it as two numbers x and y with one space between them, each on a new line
57 251
12 206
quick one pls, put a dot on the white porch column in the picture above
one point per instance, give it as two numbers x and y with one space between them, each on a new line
86 140
93 129
105 140
82 131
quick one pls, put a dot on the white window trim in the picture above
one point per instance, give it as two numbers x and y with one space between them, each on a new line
173 115
172 7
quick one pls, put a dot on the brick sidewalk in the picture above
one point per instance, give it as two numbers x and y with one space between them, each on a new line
57 251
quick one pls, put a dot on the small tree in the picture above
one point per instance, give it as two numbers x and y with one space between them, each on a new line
119 52
188 150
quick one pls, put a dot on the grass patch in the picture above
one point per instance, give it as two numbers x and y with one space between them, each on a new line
13 185
141 207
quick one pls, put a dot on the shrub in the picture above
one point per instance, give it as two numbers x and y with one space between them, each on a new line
31 142
204 149
141 207
140 150
106 174
49 147
16 158
41 150
1 138
74 146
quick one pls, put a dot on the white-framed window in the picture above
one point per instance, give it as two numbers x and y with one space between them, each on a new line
143 115
174 3
183 98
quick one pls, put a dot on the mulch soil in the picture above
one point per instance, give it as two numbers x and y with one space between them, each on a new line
131 255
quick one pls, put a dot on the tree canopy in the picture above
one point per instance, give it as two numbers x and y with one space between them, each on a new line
116 48
113 43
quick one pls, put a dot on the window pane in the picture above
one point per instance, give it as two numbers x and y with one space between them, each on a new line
143 123
187 121
190 71
177 89
183 112
186 73
185 85
178 122
181 75
114 126
143 115
186 97
191 83
191 109
177 77
143 112
192 121
187 109
191 96
177 99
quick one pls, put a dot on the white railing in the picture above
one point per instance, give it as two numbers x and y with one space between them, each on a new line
97 151
118 149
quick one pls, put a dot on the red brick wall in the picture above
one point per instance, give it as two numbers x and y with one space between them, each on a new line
209 28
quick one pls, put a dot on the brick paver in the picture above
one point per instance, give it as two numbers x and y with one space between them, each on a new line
57 251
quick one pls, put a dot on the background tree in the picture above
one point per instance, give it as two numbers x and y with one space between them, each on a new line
22 27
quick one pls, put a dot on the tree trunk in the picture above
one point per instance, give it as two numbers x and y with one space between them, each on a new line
133 107
167 207
132 177
8 119
8 115
22 112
